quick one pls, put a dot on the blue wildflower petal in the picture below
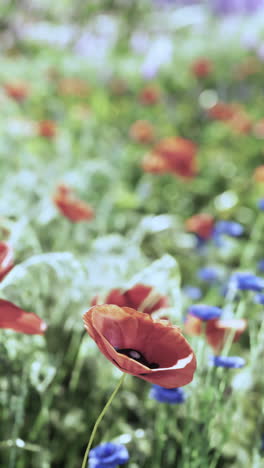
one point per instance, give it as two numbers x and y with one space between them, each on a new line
208 273
247 281
205 312
229 228
230 362
261 265
259 298
167 395
193 292
261 204
108 455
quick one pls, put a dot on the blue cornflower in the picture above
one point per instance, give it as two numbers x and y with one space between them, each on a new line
259 298
231 362
208 273
247 281
193 292
261 265
229 228
167 395
261 204
201 245
108 455
205 312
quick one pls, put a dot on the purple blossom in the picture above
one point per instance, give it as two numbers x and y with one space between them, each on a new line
260 51
230 7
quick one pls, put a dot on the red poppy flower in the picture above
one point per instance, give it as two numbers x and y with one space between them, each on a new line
240 122
150 349
142 131
259 174
193 325
71 207
217 331
154 164
201 224
177 155
47 128
258 129
139 297
201 68
115 297
6 259
14 318
17 91
222 111
150 95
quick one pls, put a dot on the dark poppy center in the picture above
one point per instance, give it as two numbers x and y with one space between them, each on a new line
137 356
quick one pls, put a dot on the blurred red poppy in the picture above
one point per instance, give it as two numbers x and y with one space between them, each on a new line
17 91
140 297
152 350
71 207
193 325
142 131
201 224
258 129
47 128
73 87
154 164
175 155
259 174
6 259
218 331
202 67
150 95
14 318
222 111
240 122
235 116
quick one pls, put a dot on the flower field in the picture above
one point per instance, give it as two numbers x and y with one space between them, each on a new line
131 234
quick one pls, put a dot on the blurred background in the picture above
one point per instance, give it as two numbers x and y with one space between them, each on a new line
95 95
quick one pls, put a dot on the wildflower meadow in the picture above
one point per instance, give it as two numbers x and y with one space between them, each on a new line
132 234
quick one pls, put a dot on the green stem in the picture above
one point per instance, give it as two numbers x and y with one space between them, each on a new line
160 426
20 406
99 419
253 242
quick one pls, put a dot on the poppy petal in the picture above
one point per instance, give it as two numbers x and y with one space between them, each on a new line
14 318
6 259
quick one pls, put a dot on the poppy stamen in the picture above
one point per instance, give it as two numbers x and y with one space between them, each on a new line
137 356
